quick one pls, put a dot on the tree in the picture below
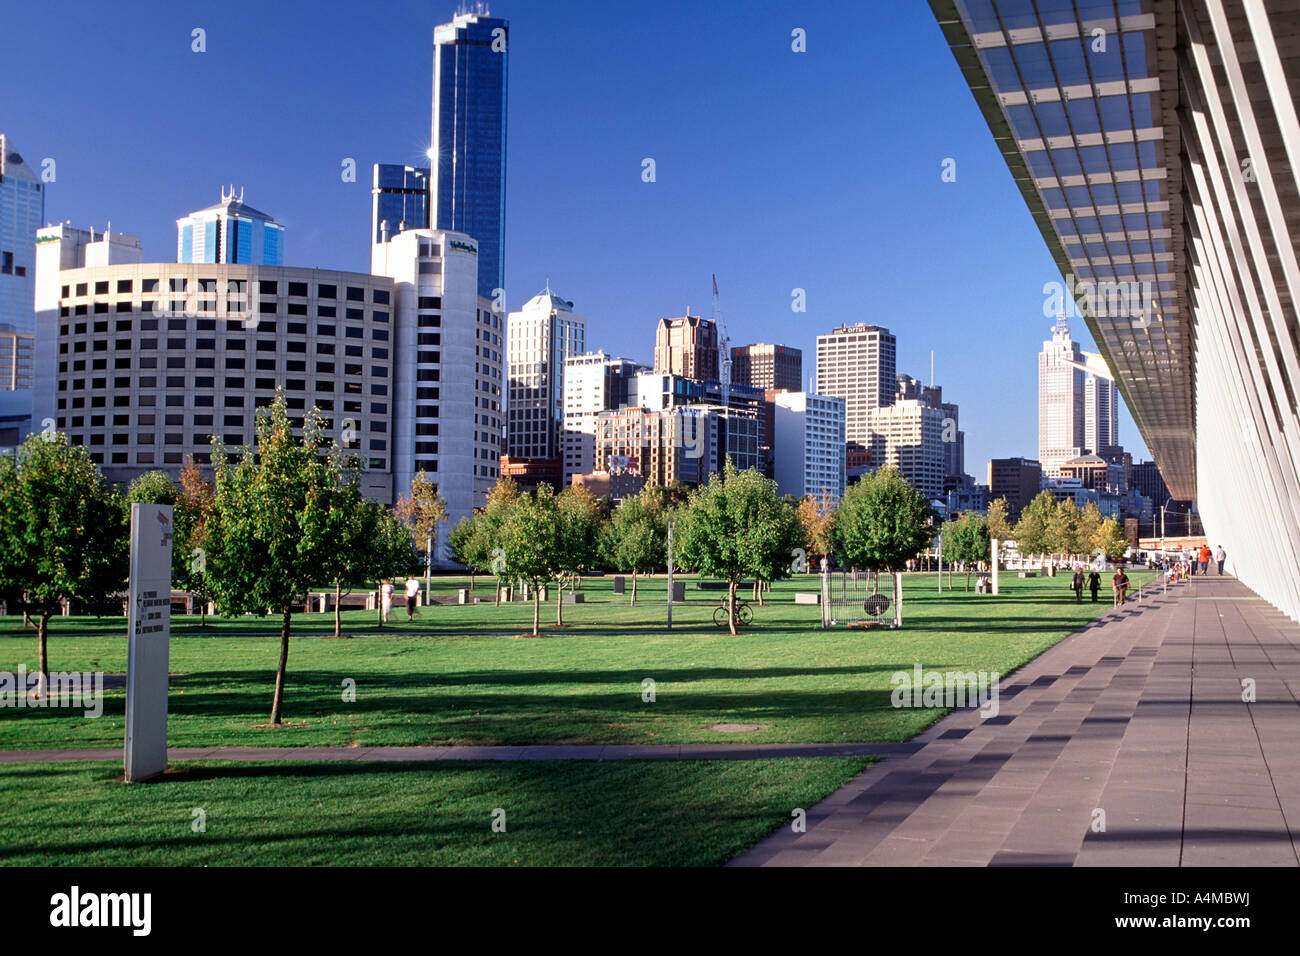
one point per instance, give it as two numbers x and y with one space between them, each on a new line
1063 529
882 521
817 521
1090 519
1109 539
575 552
489 528
63 533
466 546
737 526
636 539
193 516
1032 532
999 519
422 510
530 534
280 515
153 488
966 540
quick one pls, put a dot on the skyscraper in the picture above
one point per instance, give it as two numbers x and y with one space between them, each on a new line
540 339
22 211
1060 400
593 383
1100 415
399 200
909 436
687 346
468 171
767 366
230 232
858 363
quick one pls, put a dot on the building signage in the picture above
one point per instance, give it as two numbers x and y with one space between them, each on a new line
148 641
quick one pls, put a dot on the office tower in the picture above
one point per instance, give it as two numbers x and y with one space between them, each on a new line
1100 415
1199 203
541 337
908 387
593 383
447 373
685 443
22 212
688 347
1060 400
399 200
1016 479
17 350
909 436
858 363
767 366
808 445
468 168
230 232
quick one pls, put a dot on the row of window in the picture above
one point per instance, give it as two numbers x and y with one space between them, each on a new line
200 457
264 287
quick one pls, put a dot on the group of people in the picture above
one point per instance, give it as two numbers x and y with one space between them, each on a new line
1195 562
386 590
1119 583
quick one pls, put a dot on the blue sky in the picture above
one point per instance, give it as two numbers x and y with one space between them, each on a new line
774 169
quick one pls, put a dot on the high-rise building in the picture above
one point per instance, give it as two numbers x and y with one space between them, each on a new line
22 212
447 374
593 383
1100 415
541 337
17 350
767 366
685 443
809 446
858 363
687 346
1018 480
230 232
468 164
1061 418
909 436
399 200
1168 162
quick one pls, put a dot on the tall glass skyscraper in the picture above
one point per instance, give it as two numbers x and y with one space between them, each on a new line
230 232
399 196
22 211
468 171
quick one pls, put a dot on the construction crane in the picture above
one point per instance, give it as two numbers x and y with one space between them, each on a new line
724 348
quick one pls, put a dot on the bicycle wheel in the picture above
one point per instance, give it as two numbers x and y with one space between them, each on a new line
744 614
720 616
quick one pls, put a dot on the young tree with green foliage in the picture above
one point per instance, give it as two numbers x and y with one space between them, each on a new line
1032 534
63 533
967 540
489 529
466 546
581 524
1109 539
881 522
999 520
636 539
737 526
1090 519
193 515
531 534
1063 530
423 510
280 518
817 520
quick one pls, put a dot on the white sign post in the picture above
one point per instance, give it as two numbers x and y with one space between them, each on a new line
148 640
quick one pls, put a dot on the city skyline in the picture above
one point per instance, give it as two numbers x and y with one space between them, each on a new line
662 269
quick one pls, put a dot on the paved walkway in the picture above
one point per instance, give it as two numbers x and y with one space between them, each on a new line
1139 716
719 751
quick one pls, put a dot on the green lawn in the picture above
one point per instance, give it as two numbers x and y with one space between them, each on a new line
575 813
473 680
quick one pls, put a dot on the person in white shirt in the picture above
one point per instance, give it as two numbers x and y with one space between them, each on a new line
386 598
1221 556
412 591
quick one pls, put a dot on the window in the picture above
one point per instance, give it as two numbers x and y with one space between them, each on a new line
298 289
356 294
327 292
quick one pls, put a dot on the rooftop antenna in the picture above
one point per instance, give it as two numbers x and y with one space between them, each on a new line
724 347
932 368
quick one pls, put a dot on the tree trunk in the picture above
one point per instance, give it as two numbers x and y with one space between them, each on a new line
338 624
762 586
277 704
498 597
731 607
42 655
379 604
559 603
471 577
633 601
968 579
537 611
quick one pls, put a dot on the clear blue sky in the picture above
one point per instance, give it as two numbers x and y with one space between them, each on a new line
776 170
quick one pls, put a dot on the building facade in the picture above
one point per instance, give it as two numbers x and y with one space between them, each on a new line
858 363
542 336
468 161
687 346
1016 479
593 383
399 200
767 366
1061 404
22 212
908 435
230 232
808 446
17 351
687 443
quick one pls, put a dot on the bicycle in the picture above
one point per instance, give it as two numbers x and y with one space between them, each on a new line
744 613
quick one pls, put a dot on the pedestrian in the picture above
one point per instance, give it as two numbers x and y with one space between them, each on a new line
1120 583
1191 565
1076 585
1204 557
1094 585
412 592
386 598
1221 556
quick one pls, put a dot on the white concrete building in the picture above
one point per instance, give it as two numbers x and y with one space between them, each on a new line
541 337
1060 401
593 383
808 446
909 436
859 364
447 371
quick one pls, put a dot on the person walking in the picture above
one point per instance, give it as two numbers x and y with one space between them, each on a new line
1076 585
1120 583
1204 557
386 598
412 592
1094 585
1221 556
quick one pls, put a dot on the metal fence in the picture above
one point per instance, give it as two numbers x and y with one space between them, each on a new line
862 599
